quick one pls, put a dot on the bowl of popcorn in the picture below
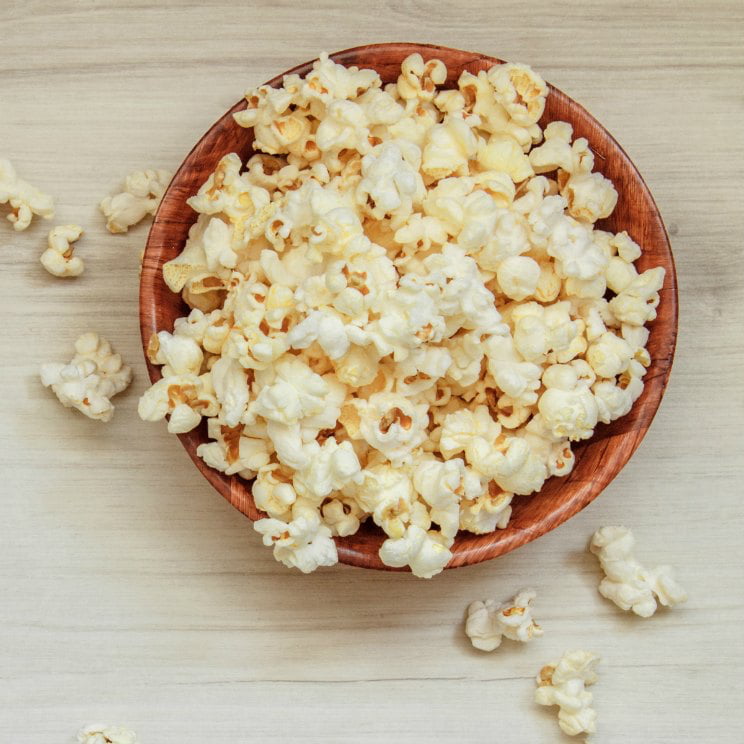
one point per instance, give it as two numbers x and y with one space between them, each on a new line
407 307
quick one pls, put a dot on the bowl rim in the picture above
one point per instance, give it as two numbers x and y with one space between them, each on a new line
234 489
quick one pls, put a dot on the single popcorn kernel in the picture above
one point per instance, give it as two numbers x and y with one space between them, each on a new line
401 311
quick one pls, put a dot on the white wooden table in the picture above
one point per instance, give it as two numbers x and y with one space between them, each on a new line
132 593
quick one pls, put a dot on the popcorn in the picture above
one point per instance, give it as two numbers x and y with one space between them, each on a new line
590 196
503 153
449 146
273 491
419 79
58 258
636 304
175 394
520 90
567 406
488 510
141 196
24 199
392 424
563 683
304 542
423 551
401 310
488 621
627 583
291 391
99 733
93 376
518 276
391 183
234 450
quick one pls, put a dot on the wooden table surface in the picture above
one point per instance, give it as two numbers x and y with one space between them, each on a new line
131 593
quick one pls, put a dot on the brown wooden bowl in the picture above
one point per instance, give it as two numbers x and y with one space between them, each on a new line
598 460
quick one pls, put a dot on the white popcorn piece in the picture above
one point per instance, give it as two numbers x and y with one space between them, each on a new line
590 196
141 197
637 303
520 90
567 406
304 542
24 200
518 276
179 354
234 449
627 583
93 376
419 79
424 552
392 424
449 146
563 683
503 153
99 733
58 258
291 391
332 466
391 183
174 394
488 622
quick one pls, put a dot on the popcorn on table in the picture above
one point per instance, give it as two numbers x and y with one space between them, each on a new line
102 734
24 200
627 583
563 683
489 621
401 309
140 197
58 258
88 382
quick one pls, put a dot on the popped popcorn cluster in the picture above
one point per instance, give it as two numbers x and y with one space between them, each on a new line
401 308
88 382
140 197
59 259
563 683
489 621
101 734
24 200
627 583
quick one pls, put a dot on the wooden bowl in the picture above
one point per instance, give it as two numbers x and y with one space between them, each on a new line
598 460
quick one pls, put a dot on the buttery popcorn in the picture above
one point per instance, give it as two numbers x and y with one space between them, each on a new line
488 622
102 734
58 258
563 683
401 311
141 196
93 376
627 583
24 200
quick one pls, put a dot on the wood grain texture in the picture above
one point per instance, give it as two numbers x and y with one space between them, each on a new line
598 460
131 592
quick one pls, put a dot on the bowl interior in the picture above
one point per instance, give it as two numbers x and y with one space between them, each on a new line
598 460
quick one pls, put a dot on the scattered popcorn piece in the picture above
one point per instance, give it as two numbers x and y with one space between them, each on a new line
563 683
24 199
401 309
488 621
141 196
102 734
627 583
58 258
94 375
